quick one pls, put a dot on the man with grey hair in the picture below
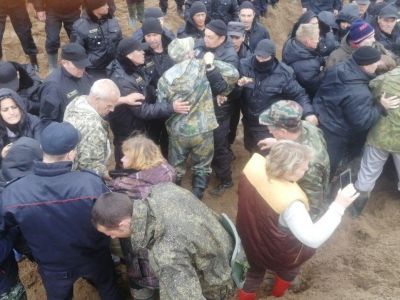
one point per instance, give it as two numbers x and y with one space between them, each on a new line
86 113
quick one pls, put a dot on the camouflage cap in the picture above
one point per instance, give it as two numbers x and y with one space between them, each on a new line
284 113
179 48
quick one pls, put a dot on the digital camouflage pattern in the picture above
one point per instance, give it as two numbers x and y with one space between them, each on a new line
315 181
93 149
16 293
284 113
189 250
386 132
179 49
201 149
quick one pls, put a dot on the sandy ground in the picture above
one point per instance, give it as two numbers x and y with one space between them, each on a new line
361 259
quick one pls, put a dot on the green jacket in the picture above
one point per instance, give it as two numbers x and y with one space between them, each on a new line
189 250
315 181
385 134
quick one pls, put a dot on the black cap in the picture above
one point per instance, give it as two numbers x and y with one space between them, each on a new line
128 45
218 27
59 138
76 54
151 25
389 11
197 7
247 4
8 76
265 48
153 12
91 5
236 29
366 55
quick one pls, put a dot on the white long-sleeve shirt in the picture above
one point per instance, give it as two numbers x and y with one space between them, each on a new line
298 220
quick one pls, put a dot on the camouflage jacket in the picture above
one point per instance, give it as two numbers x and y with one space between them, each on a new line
189 250
316 179
386 132
187 80
93 149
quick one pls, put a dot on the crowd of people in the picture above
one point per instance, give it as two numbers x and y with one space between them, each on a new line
169 99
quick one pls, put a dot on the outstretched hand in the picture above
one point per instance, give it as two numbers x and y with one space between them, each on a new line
346 196
390 102
181 106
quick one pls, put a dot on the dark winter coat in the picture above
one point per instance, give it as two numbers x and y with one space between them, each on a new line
280 83
320 5
257 33
28 126
100 38
306 63
390 42
190 29
226 53
58 90
344 104
125 119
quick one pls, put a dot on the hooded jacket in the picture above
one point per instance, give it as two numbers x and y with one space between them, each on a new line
28 126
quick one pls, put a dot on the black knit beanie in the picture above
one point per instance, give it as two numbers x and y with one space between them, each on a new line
151 25
218 27
247 4
197 7
366 55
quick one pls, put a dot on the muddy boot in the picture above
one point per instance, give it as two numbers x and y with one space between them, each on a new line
199 184
359 204
280 287
53 60
221 188
34 62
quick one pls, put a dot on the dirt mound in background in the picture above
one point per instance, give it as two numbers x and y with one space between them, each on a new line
359 262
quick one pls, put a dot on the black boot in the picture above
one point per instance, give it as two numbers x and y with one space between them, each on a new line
359 204
178 180
34 62
199 184
221 188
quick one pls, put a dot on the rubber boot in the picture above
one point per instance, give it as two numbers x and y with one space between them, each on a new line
199 184
359 204
246 296
280 287
34 62
53 60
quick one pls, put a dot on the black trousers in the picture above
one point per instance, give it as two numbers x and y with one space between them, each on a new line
53 24
164 4
21 23
222 160
99 272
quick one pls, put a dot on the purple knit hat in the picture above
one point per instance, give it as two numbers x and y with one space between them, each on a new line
359 31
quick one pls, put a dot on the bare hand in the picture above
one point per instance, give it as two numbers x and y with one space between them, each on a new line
41 16
5 150
391 102
312 119
266 143
244 80
134 99
181 107
221 99
335 12
208 58
347 196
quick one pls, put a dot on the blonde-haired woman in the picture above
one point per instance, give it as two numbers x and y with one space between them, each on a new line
144 166
273 220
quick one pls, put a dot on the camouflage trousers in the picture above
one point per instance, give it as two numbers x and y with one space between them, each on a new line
201 149
16 293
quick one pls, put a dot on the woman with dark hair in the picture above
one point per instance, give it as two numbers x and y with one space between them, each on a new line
15 121
143 166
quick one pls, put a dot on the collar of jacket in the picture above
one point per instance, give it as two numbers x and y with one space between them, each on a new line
52 169
145 227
